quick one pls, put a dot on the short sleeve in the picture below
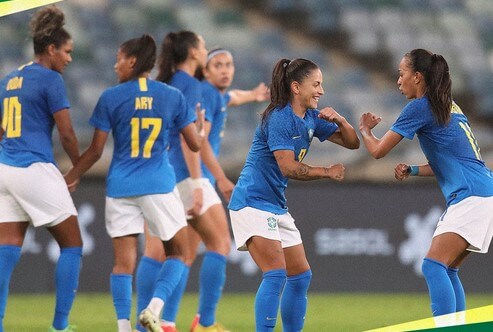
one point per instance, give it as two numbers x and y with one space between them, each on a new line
100 118
412 118
56 94
184 115
279 131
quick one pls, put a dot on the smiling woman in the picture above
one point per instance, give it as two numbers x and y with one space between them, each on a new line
259 216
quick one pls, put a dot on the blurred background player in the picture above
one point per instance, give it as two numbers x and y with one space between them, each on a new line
32 189
141 182
182 54
453 157
217 77
259 215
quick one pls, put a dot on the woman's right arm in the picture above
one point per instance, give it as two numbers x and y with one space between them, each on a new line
67 134
88 158
293 169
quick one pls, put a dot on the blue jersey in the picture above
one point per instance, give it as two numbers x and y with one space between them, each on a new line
29 96
261 184
190 87
451 150
215 109
140 113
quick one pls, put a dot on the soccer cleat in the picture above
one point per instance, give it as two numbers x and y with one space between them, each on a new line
216 327
195 322
150 321
69 328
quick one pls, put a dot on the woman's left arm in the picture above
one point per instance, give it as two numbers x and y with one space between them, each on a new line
378 148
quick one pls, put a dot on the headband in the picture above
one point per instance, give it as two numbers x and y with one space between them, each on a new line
215 52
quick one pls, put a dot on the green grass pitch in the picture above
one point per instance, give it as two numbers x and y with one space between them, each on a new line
326 312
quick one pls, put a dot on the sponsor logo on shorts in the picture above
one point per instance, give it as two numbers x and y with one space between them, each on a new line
272 223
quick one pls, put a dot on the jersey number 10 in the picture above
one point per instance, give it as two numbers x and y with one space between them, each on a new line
12 114
152 124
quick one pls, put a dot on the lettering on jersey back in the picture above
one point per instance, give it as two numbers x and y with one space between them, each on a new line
14 83
143 103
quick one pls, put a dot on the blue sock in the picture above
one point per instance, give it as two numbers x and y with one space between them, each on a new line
267 300
460 296
171 307
9 256
294 301
67 281
121 291
168 278
145 280
212 278
440 288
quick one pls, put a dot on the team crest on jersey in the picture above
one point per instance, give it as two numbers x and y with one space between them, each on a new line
272 223
310 134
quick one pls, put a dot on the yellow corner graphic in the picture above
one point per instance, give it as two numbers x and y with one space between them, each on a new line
15 6
478 315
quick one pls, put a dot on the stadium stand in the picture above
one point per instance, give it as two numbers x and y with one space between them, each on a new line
357 43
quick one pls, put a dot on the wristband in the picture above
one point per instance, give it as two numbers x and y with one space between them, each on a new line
196 183
413 170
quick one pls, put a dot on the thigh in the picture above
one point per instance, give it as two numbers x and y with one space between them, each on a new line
267 254
13 233
177 246
447 248
67 233
125 252
212 227
296 261
153 246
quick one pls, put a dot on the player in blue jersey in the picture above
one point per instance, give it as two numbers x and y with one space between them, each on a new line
141 182
32 190
453 158
259 216
182 54
217 77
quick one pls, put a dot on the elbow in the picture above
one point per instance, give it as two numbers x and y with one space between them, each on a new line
354 145
377 154
195 146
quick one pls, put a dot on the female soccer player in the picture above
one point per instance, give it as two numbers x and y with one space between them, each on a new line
141 182
453 157
217 78
182 54
259 215
32 189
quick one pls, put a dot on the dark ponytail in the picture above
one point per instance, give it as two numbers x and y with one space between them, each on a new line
285 72
174 51
144 51
438 83
46 27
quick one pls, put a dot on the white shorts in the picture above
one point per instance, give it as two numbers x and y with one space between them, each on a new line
471 218
186 193
37 193
249 222
163 213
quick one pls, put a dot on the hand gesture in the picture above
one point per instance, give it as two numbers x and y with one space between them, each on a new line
226 187
401 172
199 124
198 201
368 121
336 172
261 92
330 114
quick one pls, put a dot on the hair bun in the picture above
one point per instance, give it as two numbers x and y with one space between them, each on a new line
45 21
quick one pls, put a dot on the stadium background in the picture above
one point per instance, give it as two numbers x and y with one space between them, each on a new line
365 235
